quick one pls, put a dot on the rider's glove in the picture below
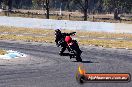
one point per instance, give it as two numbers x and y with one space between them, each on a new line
73 33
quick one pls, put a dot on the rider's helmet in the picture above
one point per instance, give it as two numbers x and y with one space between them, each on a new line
68 39
57 31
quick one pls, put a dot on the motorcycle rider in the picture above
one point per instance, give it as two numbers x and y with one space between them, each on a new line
69 41
60 40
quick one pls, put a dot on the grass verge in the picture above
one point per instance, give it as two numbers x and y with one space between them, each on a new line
13 33
108 43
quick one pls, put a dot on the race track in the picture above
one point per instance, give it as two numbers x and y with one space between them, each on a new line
43 67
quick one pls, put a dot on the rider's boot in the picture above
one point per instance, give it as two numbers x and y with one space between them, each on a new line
61 53
71 56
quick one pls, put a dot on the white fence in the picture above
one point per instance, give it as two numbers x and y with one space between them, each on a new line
65 24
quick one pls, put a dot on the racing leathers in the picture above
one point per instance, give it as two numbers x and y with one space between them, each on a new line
60 41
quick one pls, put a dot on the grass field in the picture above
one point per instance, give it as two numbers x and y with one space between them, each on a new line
83 37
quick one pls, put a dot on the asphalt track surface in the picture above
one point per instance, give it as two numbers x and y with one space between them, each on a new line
43 67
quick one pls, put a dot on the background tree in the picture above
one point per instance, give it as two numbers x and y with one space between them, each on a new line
47 8
83 5
0 4
9 3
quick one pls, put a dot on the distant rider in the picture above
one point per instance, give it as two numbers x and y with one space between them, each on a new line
60 40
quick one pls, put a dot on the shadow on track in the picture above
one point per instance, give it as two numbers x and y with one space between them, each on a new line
68 54
86 62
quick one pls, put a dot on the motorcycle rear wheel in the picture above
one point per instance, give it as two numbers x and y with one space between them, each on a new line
79 59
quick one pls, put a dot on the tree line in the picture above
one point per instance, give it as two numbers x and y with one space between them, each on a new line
84 6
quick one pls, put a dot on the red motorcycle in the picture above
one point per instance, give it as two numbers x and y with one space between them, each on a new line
73 48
